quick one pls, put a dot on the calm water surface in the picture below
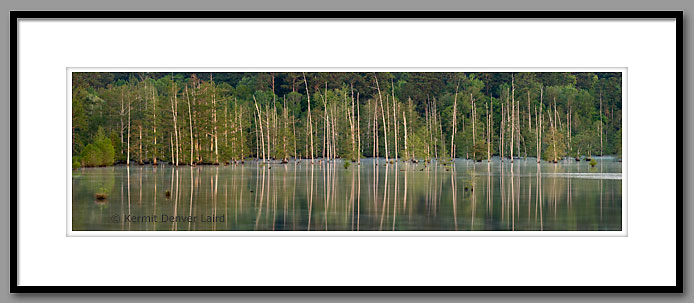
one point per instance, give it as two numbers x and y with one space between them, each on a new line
499 195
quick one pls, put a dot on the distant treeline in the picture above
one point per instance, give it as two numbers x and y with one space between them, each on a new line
209 118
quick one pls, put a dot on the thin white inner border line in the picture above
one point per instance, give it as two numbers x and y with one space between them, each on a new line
625 162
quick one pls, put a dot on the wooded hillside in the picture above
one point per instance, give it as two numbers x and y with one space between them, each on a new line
209 118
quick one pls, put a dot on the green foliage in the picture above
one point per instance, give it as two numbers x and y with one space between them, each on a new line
98 153
128 107
480 150
91 156
555 148
346 164
593 162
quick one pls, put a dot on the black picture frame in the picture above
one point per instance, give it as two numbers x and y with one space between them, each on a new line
15 16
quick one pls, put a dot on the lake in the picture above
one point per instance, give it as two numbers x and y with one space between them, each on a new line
372 196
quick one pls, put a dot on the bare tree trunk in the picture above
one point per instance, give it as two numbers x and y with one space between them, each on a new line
144 110
294 133
226 128
260 122
441 132
537 135
310 124
214 121
242 156
517 125
538 119
285 157
122 123
436 119
501 132
568 129
274 108
428 119
489 133
358 133
351 125
190 123
334 127
257 141
513 106
325 124
395 120
233 129
129 127
600 123
276 127
404 121
174 111
267 129
385 126
154 110
455 119
139 161
473 113
530 124
554 137
375 132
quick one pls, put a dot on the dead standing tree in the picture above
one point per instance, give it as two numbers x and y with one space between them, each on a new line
455 120
310 123
385 128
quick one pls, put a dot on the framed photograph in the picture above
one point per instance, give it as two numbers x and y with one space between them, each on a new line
237 151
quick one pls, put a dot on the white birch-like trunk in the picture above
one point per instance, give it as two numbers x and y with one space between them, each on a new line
539 129
154 110
385 126
404 122
129 126
455 120
174 111
122 124
395 120
214 121
601 123
190 123
260 122
473 113
351 124
310 123
513 102
358 134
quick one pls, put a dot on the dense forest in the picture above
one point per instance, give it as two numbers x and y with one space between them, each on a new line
213 118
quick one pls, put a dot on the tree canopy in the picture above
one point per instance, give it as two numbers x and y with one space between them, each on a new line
208 118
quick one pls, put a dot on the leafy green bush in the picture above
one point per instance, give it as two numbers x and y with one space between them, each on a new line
480 150
91 156
107 151
593 162
99 153
75 164
346 164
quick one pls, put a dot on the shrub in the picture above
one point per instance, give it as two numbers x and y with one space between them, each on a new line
480 150
107 151
75 164
593 162
99 153
91 156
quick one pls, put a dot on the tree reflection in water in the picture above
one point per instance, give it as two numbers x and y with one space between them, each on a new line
399 196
